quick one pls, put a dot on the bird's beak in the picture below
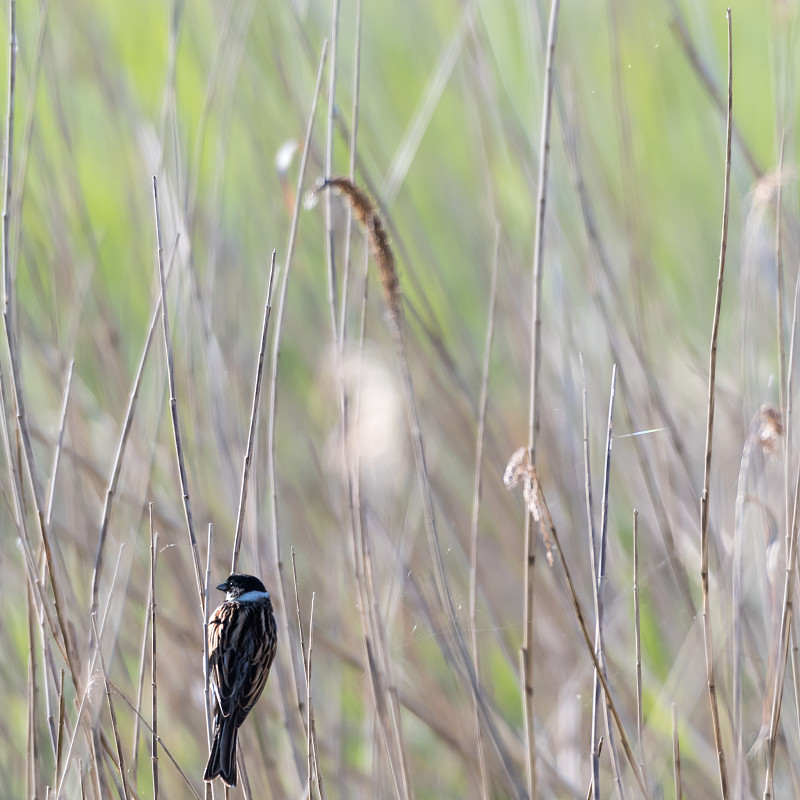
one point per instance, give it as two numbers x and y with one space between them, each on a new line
223 587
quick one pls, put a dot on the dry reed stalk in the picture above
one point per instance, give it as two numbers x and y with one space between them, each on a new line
381 250
153 655
96 738
600 582
476 500
271 447
787 607
370 612
765 430
369 608
117 740
527 654
113 480
596 739
590 791
140 687
60 442
707 632
637 635
780 288
312 736
206 691
173 404
329 255
32 696
589 218
23 425
251 434
158 739
520 469
676 754
351 175
380 666
61 731
311 743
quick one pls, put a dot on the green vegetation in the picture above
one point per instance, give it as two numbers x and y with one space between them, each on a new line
204 96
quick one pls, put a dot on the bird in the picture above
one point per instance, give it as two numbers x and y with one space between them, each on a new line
242 639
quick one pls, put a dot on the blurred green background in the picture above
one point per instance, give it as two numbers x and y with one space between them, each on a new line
214 99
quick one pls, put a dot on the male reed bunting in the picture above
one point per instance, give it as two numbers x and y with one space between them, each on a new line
242 638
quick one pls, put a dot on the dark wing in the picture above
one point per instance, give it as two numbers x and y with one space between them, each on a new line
241 648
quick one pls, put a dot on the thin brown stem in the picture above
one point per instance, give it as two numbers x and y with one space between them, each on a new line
251 435
57 452
173 404
272 446
158 739
476 501
676 754
120 759
527 655
113 481
704 503
153 662
637 633
206 685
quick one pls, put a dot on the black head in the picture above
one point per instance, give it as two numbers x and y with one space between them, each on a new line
237 585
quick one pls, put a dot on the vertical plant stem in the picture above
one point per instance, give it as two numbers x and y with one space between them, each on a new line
311 735
331 262
535 402
352 175
140 688
704 503
123 774
206 692
476 501
61 732
272 445
780 292
113 480
32 748
637 633
153 654
251 435
9 323
596 738
57 452
601 580
676 753
599 573
173 404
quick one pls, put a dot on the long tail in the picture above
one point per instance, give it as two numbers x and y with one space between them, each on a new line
222 760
